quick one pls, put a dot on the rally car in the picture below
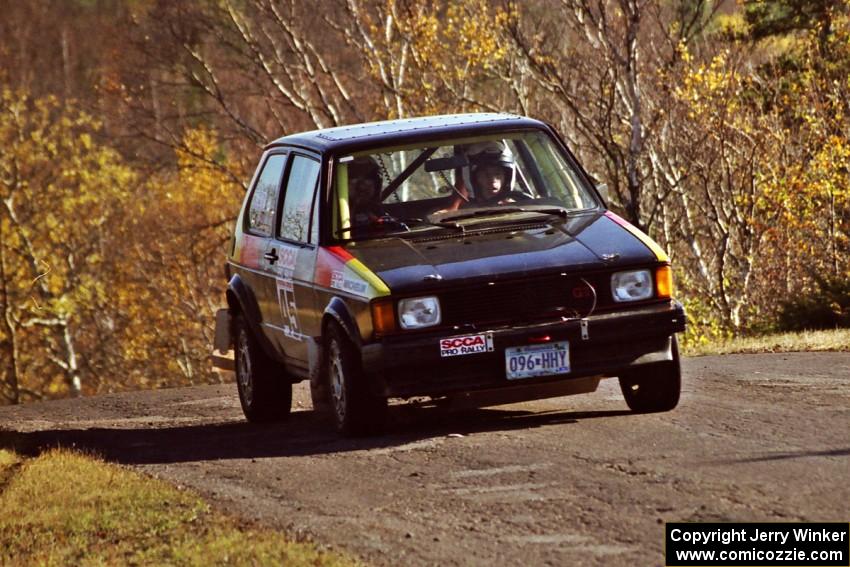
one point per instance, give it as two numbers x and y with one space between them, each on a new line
463 258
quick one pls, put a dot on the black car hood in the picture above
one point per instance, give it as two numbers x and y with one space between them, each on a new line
492 252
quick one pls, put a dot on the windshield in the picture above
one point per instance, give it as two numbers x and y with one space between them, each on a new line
433 185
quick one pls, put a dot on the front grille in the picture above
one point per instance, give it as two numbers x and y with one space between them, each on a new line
525 300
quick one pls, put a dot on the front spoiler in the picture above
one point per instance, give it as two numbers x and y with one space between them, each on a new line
604 345
222 355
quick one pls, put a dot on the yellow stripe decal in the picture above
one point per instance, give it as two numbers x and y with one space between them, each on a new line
650 243
361 270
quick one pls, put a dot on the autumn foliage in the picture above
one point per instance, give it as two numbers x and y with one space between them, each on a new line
129 131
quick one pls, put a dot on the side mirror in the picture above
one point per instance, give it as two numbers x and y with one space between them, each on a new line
602 189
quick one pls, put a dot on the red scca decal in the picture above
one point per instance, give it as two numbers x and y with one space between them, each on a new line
287 257
329 262
249 250
462 341
470 344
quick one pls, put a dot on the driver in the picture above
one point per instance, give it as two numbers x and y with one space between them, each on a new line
488 179
364 191
490 173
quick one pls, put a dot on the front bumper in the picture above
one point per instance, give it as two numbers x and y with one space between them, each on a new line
410 365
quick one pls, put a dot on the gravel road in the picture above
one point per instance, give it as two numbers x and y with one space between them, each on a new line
564 481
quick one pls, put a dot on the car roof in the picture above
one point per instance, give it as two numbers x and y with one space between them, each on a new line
388 132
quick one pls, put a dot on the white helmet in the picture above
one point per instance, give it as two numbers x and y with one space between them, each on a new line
484 154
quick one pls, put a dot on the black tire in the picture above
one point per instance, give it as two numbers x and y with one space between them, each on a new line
264 390
655 388
355 409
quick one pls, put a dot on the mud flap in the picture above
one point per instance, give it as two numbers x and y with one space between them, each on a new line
223 341
222 355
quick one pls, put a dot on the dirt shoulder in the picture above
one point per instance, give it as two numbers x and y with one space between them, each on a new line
563 481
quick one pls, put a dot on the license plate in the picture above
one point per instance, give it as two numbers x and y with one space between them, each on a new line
537 360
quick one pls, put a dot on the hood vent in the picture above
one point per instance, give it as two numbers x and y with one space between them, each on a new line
478 232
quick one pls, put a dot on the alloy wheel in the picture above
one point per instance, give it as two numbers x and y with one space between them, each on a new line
337 379
243 374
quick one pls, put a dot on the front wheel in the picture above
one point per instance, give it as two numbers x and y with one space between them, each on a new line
356 410
264 391
655 388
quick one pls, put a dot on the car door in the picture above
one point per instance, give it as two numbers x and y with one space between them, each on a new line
255 261
295 250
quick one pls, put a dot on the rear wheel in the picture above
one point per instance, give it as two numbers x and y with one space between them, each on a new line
654 388
264 391
356 410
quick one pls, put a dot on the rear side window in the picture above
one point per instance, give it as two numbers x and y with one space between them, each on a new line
261 208
298 198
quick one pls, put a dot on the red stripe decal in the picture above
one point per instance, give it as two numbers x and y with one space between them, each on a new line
340 253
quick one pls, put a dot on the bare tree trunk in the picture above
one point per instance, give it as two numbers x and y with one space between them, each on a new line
66 63
631 86
8 345
156 106
833 244
59 324
72 371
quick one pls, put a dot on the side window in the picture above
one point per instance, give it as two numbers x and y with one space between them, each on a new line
314 223
261 208
300 186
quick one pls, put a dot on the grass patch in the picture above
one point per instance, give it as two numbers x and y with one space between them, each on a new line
832 340
64 508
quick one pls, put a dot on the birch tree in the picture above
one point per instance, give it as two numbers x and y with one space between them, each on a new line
58 188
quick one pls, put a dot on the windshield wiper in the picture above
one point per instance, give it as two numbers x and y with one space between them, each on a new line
387 222
444 223
379 224
505 210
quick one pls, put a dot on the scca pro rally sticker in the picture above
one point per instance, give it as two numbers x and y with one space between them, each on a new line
469 344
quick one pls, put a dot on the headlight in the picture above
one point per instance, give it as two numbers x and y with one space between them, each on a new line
419 312
631 286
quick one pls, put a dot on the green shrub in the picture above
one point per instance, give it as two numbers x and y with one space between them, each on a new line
704 327
827 306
